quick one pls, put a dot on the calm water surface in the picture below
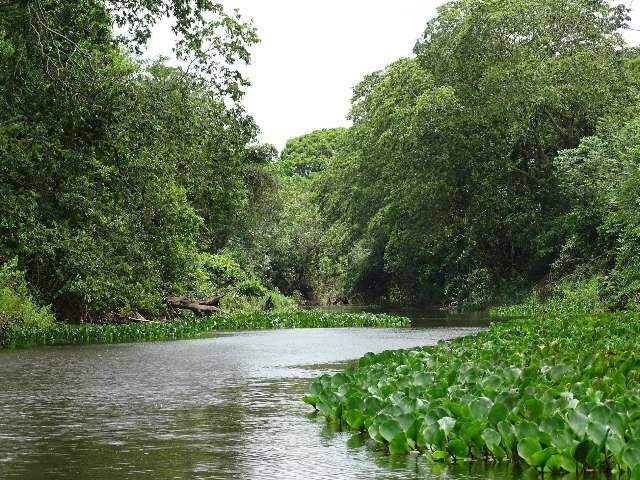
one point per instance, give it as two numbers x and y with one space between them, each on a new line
223 407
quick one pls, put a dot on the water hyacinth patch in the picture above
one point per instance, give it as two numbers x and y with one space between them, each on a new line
188 326
560 394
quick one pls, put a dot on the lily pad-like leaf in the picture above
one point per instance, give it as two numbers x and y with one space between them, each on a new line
354 418
422 379
539 459
631 454
398 445
374 432
480 407
439 456
532 408
527 448
491 437
470 431
508 434
578 422
557 463
458 448
458 410
497 413
527 429
582 451
310 400
615 443
432 434
389 430
597 433
447 424
562 439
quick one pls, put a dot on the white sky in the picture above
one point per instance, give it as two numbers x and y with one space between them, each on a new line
313 52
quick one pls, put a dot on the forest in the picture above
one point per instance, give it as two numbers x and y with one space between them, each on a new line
498 164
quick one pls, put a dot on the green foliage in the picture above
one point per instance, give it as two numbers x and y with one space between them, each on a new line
189 326
445 188
18 309
559 392
308 154
251 288
569 295
504 152
117 176
289 248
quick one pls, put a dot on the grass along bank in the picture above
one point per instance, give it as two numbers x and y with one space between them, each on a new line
188 326
559 393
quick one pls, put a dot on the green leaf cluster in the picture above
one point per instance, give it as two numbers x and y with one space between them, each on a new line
560 393
187 326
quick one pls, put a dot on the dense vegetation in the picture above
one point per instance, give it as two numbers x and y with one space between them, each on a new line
497 164
123 181
502 156
559 393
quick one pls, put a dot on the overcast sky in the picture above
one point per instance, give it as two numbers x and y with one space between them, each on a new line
313 52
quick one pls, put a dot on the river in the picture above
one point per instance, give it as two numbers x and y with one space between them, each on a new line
222 407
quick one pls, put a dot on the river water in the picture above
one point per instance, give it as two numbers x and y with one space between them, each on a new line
222 407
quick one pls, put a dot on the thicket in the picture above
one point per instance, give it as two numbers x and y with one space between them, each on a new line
122 180
18 308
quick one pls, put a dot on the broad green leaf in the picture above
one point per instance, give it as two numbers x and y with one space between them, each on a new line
433 435
615 444
447 424
310 399
354 418
422 379
527 448
631 454
439 455
497 413
578 422
533 408
508 434
597 433
557 463
480 407
491 437
582 451
539 459
458 448
390 429
398 445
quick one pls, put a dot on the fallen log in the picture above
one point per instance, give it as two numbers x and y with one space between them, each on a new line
199 307
212 301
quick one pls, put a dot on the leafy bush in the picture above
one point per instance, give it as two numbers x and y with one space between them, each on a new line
223 270
569 296
17 307
251 288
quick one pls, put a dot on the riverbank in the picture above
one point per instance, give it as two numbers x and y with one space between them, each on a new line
189 326
559 392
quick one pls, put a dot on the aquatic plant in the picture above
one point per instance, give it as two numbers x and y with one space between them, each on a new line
188 325
559 393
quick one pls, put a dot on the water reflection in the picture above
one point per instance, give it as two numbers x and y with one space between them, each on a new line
215 408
